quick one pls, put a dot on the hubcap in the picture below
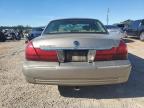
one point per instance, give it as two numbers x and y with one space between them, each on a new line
142 36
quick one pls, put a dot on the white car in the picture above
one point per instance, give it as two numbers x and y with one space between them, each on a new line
76 52
114 30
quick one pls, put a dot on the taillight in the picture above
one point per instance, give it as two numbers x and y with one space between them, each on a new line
47 55
38 54
121 52
116 53
30 52
102 55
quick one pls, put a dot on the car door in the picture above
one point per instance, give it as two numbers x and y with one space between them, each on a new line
135 27
130 29
142 23
141 27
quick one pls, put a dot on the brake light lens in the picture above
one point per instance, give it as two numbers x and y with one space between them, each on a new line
38 54
30 52
116 53
122 51
102 55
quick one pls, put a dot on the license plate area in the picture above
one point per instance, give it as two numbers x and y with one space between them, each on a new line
76 55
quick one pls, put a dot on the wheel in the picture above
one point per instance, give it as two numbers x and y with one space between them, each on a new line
142 36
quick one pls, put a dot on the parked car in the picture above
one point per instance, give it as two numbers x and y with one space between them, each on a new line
34 33
121 26
11 34
76 52
114 30
2 37
136 29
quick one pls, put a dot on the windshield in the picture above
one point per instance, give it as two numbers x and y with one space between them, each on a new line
75 26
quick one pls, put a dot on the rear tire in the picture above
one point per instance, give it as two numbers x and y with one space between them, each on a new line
142 36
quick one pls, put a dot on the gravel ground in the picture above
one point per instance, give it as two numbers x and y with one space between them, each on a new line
15 92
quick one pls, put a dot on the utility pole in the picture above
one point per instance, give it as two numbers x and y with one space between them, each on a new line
108 16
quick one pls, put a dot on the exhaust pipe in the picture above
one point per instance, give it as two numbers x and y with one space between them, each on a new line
76 88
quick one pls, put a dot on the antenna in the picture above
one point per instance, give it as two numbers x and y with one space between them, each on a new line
108 16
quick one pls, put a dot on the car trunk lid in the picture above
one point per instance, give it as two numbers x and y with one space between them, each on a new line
67 41
75 48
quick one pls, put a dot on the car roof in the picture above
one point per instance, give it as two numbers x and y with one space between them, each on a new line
138 20
75 19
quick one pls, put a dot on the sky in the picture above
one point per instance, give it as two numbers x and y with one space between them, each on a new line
40 12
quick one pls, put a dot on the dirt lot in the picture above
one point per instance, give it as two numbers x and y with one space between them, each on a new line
15 92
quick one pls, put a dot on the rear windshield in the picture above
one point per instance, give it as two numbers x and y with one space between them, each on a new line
37 29
111 27
75 26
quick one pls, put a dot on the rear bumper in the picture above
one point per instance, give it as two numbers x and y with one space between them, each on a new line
97 73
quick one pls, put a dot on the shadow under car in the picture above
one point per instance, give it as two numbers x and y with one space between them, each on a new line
133 88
